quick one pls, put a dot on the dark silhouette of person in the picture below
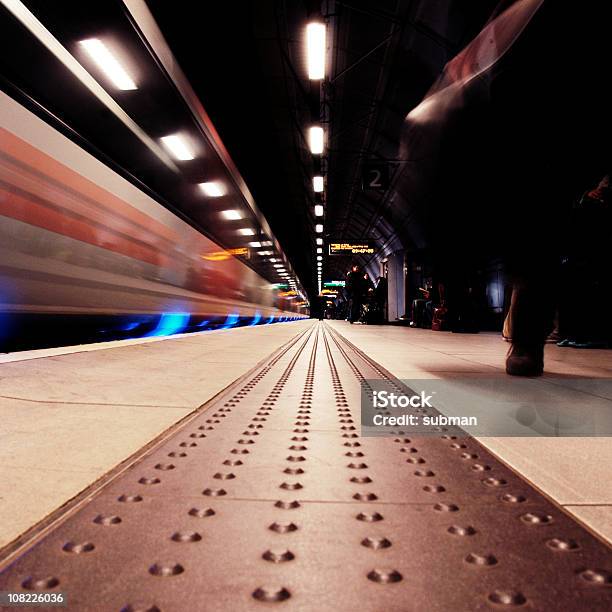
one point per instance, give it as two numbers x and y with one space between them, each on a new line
355 284
380 295
493 177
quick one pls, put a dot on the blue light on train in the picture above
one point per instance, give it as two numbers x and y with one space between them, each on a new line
130 326
270 320
256 318
170 323
231 321
203 323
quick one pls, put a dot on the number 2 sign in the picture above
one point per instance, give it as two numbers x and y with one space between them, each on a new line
375 177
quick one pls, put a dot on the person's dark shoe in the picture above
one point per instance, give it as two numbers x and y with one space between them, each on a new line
525 360
587 345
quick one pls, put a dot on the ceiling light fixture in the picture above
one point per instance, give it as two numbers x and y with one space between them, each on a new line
315 50
315 140
178 147
108 63
231 215
213 189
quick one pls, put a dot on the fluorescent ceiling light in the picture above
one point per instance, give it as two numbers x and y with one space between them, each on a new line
279 266
319 250
255 245
320 241
317 183
315 139
178 147
318 210
319 257
319 228
264 252
213 189
246 231
266 243
272 259
315 50
231 215
108 63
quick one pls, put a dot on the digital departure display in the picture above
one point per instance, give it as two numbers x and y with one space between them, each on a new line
349 248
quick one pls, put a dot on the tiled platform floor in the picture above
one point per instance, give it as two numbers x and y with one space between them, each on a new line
70 415
575 472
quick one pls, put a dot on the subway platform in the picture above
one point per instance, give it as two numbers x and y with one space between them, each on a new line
227 470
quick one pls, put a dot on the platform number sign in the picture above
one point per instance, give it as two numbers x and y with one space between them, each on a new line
375 177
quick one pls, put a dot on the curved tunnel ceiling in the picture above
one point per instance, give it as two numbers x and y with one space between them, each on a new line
385 57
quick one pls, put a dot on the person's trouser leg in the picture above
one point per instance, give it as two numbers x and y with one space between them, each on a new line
355 310
532 315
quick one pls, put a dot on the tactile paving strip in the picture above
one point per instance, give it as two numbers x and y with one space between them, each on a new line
270 498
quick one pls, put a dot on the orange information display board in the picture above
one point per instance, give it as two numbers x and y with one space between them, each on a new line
349 248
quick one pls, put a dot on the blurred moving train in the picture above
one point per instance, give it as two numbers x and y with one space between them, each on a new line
85 255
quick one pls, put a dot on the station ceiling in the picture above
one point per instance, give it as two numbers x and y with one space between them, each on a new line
531 136
246 61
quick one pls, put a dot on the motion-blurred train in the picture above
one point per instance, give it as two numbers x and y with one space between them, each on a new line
85 255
